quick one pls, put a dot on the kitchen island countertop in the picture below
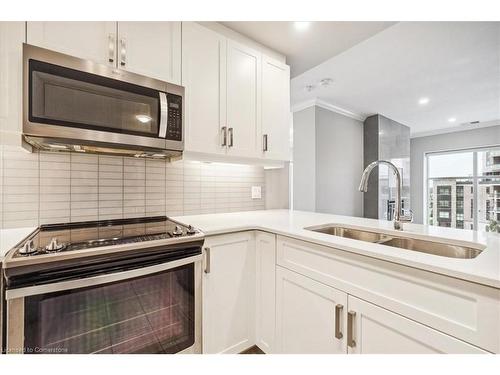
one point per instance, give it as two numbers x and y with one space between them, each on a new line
484 269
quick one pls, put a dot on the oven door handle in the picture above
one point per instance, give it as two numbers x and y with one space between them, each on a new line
98 280
163 115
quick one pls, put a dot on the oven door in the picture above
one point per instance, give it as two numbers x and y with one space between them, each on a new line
155 309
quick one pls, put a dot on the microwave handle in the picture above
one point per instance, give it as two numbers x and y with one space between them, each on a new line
163 115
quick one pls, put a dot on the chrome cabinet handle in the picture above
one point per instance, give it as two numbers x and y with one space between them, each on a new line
123 52
350 323
264 142
207 260
230 131
111 48
224 136
338 313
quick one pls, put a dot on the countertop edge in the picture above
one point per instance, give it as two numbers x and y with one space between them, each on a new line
429 268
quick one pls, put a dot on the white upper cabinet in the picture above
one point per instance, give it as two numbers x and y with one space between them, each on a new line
94 41
276 117
203 76
12 36
151 49
226 95
243 99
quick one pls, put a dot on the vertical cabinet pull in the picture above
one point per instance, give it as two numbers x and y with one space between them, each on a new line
207 260
224 136
230 144
338 313
111 48
350 327
264 142
123 52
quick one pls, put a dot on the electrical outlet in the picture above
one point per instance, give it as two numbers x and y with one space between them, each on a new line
256 192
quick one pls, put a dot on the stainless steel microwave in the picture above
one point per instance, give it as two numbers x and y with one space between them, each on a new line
72 104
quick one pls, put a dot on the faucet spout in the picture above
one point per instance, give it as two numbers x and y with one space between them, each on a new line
363 187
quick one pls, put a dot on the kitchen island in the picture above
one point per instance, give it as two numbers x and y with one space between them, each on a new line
272 283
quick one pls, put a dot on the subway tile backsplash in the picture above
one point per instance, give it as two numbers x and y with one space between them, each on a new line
42 188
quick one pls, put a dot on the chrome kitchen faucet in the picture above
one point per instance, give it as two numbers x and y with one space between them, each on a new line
399 218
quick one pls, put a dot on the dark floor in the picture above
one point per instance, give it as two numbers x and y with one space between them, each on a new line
253 350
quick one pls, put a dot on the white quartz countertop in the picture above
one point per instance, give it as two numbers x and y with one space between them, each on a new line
11 237
484 269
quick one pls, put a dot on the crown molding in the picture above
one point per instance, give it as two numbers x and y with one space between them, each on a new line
328 106
454 129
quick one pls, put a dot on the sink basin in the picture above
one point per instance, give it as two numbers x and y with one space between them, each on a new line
436 248
423 246
347 232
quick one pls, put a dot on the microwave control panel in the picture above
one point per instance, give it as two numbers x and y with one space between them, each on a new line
174 124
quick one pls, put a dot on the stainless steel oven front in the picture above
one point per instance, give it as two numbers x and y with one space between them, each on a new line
72 104
150 309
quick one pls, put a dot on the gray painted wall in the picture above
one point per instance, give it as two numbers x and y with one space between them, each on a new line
304 160
339 163
327 162
482 137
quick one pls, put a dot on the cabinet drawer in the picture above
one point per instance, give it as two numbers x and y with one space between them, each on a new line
468 311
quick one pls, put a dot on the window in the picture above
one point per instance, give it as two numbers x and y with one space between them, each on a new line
444 215
463 189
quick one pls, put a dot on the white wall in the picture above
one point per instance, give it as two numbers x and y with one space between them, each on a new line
327 162
489 136
304 160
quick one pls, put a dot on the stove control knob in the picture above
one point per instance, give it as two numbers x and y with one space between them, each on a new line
54 245
28 248
191 230
177 231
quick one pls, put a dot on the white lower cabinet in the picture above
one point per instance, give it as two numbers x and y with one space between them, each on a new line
289 296
378 331
265 318
229 293
309 315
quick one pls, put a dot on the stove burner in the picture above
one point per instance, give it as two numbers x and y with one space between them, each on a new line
56 238
54 246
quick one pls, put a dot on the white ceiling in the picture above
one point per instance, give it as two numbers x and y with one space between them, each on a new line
308 48
454 64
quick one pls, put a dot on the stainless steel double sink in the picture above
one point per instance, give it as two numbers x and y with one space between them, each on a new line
444 249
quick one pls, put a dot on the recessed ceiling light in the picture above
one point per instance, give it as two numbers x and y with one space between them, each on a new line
301 26
309 88
326 82
452 119
423 101
143 118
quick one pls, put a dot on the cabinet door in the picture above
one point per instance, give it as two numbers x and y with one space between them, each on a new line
307 315
229 293
12 36
380 331
94 41
152 49
265 246
276 118
203 76
243 100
